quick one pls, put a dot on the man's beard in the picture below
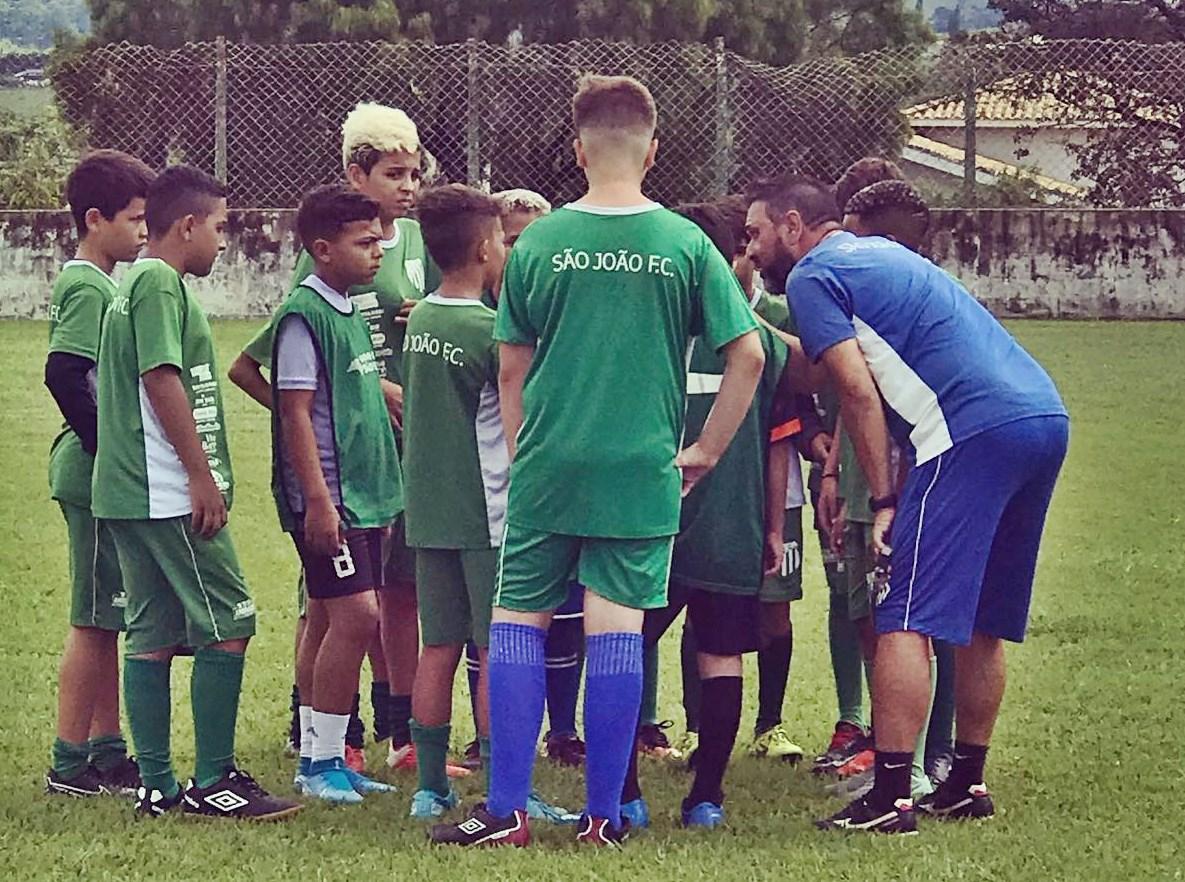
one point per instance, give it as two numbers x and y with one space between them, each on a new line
773 278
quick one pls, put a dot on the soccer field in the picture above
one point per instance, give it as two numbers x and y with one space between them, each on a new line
1086 770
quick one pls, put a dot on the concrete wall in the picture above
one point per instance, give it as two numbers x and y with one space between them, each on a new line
1041 263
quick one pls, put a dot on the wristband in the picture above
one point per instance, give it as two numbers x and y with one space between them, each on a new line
876 504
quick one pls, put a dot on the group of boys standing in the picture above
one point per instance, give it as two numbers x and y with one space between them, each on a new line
534 430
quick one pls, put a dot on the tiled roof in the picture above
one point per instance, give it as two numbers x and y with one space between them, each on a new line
950 159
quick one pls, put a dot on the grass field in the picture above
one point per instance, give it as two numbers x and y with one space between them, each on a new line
26 102
1087 768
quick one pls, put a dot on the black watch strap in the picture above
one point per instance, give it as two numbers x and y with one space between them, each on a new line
881 503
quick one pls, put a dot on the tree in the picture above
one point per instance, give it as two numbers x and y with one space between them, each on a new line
33 23
1150 21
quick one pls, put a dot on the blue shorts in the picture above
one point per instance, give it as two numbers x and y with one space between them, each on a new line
966 535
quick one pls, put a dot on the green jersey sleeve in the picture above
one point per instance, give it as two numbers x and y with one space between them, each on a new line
724 311
513 325
776 359
157 318
259 347
79 320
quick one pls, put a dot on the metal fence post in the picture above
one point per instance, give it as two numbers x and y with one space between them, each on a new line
472 119
724 135
969 146
220 109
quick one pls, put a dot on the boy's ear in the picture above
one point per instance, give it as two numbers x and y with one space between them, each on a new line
92 218
650 155
578 149
185 226
320 250
483 249
355 175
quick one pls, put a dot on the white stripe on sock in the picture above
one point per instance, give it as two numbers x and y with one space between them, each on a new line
306 731
329 735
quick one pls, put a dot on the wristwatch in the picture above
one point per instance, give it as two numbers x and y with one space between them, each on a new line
882 502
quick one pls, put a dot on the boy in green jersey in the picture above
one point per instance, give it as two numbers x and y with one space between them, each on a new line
163 483
457 470
335 475
599 302
105 193
382 159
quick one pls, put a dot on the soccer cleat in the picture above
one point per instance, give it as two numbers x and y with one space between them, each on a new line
653 741
122 779
853 786
847 739
949 803
89 782
365 785
154 804
860 815
776 744
403 759
704 814
637 812
472 758
564 749
355 758
539 809
428 805
601 832
938 767
482 828
236 795
330 781
857 765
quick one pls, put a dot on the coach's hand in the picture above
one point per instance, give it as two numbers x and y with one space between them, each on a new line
322 528
694 462
882 528
209 508
404 311
839 527
393 396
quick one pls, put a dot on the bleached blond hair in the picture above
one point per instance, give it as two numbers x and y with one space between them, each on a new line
377 127
520 199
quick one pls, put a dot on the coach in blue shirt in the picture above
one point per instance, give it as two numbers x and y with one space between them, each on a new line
983 432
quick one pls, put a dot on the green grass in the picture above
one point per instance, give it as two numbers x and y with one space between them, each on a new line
1086 769
26 102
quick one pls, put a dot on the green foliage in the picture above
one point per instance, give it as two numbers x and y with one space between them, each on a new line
33 23
36 153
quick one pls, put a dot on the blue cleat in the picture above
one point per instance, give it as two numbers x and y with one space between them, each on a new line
637 812
328 780
427 805
539 809
365 786
703 814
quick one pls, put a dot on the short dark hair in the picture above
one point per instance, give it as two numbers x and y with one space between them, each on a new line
893 209
735 208
178 191
613 103
712 221
864 173
810 197
107 180
452 219
325 211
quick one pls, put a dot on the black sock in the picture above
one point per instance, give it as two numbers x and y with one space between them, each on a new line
892 777
631 789
692 698
355 731
380 704
399 719
773 673
720 717
967 768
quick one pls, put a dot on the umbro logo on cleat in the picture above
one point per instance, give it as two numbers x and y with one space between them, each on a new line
226 800
471 826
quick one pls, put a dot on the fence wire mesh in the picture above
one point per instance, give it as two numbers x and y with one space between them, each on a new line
1027 122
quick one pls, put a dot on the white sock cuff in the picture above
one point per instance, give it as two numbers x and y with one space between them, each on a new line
329 735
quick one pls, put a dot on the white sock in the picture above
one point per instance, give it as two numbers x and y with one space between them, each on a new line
329 735
306 731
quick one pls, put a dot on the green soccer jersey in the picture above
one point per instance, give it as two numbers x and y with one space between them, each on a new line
154 321
610 299
774 310
722 525
81 296
454 449
404 274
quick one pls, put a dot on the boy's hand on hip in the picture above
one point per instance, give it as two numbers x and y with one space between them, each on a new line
322 528
694 462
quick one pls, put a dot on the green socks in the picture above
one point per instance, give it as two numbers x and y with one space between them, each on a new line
483 745
146 693
847 660
920 784
649 712
107 751
431 755
69 760
214 693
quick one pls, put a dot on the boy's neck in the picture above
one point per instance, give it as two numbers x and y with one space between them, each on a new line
167 250
613 192
462 284
388 225
340 285
92 253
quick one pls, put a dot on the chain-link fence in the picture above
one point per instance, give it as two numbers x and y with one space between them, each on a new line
1054 122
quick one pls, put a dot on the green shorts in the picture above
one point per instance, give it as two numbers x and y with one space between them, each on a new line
97 598
399 561
535 568
455 592
786 584
182 590
859 562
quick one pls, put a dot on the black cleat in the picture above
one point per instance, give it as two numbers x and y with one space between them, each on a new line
950 803
601 832
565 749
482 828
87 783
472 758
861 815
154 804
122 779
236 795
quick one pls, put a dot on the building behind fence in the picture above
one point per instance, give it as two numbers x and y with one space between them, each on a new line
1094 123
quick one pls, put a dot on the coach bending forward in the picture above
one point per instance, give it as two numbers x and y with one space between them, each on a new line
984 433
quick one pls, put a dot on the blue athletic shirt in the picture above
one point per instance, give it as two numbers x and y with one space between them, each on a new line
945 367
